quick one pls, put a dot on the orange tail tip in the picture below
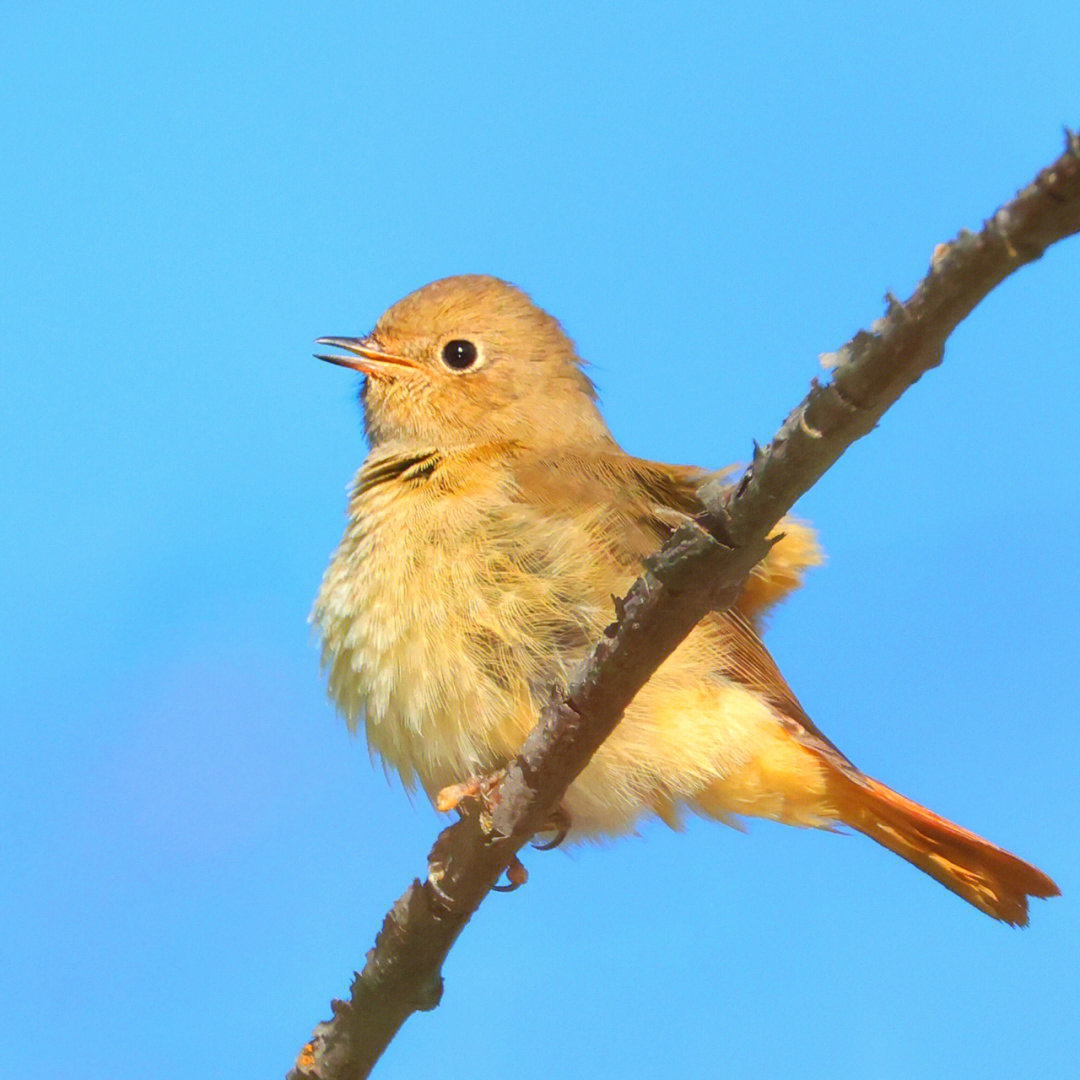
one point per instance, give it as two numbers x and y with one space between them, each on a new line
985 875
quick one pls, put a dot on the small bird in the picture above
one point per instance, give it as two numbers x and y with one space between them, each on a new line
491 524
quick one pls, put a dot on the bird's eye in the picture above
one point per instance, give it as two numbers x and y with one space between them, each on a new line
459 354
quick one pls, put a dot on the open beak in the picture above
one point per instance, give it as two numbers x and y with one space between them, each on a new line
363 356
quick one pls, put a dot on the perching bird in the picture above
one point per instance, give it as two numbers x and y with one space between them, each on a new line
491 524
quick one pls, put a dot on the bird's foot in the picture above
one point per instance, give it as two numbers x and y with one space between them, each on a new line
485 789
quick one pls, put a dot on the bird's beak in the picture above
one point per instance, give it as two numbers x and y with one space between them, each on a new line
364 356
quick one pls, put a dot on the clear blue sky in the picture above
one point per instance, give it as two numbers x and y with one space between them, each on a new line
196 854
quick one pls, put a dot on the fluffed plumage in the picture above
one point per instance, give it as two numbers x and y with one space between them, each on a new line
488 530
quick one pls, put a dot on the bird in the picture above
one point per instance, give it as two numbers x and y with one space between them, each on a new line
488 529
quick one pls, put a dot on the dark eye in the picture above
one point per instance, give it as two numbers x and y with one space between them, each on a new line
459 354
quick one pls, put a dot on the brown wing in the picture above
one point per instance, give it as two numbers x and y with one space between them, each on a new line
649 500
674 491
747 661
643 502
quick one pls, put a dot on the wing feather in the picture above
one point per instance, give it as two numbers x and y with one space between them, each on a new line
639 504
644 502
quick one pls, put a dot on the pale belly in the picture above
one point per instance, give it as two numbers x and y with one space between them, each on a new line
434 622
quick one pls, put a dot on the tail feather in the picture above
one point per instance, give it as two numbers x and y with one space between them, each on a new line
985 875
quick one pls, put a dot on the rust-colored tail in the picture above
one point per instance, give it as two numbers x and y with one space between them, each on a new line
983 874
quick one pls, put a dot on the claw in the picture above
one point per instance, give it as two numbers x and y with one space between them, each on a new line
516 876
559 822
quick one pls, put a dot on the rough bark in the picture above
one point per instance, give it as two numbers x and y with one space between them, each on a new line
701 567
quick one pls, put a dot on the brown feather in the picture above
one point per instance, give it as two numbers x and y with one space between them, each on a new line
652 500
992 879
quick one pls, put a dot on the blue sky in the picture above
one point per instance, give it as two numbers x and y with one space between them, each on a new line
197 854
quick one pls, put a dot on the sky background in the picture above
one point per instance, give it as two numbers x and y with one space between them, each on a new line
196 854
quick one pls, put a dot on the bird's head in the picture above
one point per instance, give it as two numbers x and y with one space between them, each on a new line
471 359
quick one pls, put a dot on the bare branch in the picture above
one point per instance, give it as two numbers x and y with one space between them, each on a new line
701 567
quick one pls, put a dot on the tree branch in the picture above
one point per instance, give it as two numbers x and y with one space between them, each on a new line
701 567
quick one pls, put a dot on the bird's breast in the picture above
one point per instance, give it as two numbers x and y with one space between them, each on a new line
442 614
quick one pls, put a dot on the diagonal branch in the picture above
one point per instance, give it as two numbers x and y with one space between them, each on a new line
701 567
